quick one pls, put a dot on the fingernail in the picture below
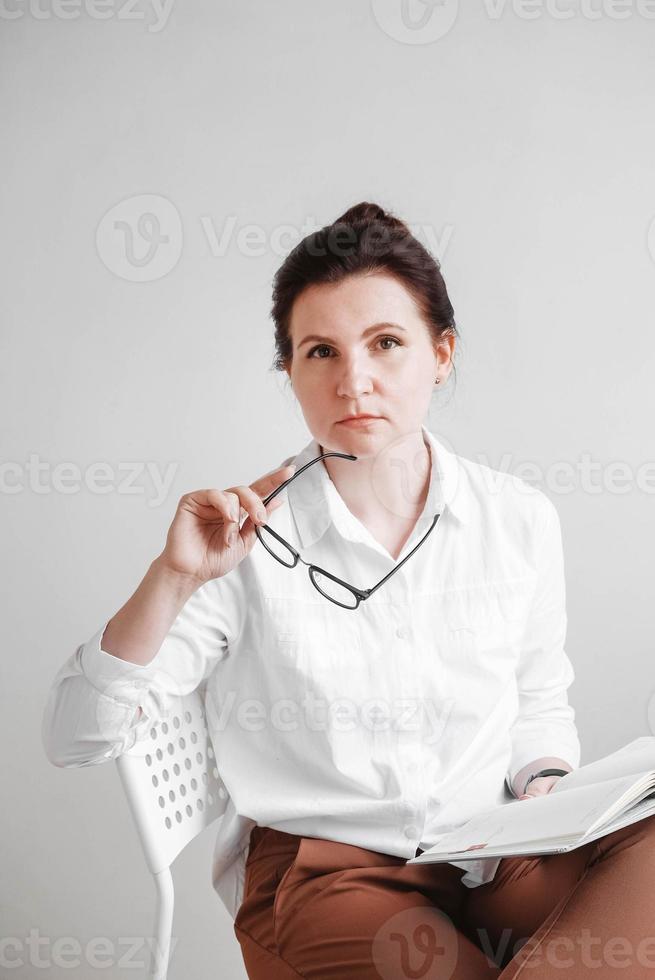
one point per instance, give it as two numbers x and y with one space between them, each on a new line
262 515
232 539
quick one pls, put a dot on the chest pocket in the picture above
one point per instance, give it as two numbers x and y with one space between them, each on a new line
319 646
479 640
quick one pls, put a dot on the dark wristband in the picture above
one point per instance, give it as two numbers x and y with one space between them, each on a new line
546 772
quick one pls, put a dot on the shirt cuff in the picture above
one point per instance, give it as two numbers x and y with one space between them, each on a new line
566 752
114 678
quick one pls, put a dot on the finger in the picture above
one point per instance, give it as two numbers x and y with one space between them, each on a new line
219 500
271 481
228 506
271 505
251 503
252 497
268 509
215 506
247 530
537 791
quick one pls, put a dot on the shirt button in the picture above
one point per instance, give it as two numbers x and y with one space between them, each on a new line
401 632
411 831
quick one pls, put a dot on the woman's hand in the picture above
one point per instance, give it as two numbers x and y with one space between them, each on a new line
205 540
540 786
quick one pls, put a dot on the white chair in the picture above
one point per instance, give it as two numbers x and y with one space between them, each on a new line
174 793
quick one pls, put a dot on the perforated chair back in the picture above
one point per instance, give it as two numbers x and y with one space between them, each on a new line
174 792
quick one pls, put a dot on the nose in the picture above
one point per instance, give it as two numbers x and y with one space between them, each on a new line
354 380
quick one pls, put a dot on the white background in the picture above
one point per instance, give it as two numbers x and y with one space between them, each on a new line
518 144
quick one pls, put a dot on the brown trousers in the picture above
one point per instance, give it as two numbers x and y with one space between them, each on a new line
324 910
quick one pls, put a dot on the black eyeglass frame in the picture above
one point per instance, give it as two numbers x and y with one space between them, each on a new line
360 594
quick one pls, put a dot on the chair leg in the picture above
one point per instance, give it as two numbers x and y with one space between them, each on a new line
163 925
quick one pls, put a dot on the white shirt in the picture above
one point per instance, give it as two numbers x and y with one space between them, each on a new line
452 676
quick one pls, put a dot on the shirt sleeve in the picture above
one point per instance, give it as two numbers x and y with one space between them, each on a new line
545 722
91 713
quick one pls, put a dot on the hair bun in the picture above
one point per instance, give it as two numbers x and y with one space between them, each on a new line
366 213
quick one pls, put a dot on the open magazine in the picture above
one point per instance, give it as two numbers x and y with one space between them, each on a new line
586 804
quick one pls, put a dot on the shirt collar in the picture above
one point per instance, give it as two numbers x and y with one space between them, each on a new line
315 502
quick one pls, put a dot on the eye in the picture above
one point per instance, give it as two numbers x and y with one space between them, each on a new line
397 342
327 347
318 347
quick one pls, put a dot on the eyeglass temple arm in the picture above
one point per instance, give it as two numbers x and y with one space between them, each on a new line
302 469
370 591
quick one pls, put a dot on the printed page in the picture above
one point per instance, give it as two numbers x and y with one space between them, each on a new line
637 759
645 808
540 819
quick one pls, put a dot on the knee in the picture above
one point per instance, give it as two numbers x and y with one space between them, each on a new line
641 828
645 828
641 831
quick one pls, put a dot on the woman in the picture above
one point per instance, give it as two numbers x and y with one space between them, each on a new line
360 711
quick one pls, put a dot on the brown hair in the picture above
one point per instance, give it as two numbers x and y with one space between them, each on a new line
365 239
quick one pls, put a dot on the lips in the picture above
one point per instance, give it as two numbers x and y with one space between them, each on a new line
354 418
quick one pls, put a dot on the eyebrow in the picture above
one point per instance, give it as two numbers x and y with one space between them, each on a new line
376 326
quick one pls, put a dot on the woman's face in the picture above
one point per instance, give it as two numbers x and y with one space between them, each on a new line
361 346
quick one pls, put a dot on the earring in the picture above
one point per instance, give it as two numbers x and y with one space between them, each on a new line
437 381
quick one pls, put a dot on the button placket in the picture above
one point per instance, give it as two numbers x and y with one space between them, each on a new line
409 742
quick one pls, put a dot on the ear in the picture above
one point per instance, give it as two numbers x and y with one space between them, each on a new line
444 349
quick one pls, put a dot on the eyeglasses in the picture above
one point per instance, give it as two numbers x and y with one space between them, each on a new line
330 586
